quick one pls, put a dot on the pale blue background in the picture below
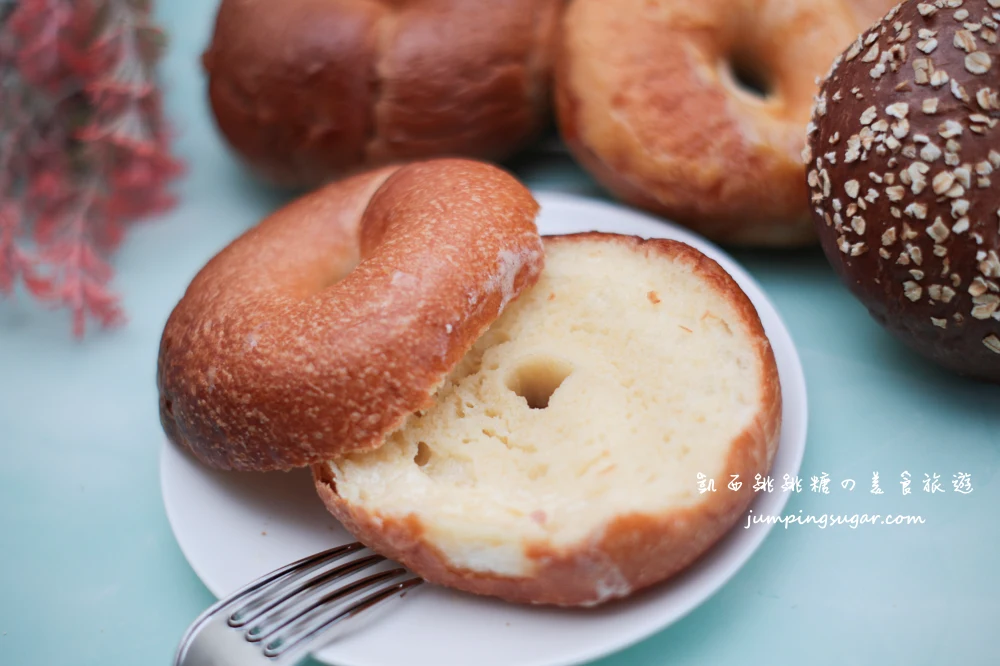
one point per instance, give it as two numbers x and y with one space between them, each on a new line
89 572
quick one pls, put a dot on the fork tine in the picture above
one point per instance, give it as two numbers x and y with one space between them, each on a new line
304 611
301 633
262 591
283 605
265 580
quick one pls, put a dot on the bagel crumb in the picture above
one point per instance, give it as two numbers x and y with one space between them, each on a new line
564 417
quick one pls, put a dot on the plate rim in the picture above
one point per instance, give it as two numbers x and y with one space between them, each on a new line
721 575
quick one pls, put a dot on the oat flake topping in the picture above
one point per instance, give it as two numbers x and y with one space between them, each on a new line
907 119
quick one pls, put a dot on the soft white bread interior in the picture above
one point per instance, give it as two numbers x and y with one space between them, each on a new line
559 461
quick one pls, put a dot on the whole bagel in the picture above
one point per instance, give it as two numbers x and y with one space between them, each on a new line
285 351
902 159
307 90
655 99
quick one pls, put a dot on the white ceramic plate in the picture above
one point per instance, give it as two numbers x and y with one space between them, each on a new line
235 527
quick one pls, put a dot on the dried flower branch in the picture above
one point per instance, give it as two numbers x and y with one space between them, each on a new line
84 149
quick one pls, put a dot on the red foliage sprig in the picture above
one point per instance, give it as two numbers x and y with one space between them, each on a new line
84 149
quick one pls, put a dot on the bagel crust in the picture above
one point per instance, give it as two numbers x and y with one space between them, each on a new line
308 90
285 351
632 550
902 177
648 100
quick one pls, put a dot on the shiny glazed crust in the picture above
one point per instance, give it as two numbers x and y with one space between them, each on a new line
903 181
633 551
647 100
285 351
306 90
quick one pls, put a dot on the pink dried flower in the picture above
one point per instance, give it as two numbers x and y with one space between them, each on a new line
84 151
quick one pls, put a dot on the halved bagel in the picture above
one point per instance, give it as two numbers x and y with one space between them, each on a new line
286 351
558 462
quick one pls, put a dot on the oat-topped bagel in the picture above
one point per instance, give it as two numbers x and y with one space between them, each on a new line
306 90
652 98
286 351
902 159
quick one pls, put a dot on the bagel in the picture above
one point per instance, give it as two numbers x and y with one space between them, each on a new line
656 99
559 461
285 351
901 175
308 90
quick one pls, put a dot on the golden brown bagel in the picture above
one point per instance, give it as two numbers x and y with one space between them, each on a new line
306 90
648 99
286 351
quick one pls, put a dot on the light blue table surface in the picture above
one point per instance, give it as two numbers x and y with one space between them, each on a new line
90 574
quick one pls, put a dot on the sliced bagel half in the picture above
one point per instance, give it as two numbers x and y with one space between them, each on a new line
559 462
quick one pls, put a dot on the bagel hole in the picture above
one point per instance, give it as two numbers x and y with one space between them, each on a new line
537 379
749 76
423 455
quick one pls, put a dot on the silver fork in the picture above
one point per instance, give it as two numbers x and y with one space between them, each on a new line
283 616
